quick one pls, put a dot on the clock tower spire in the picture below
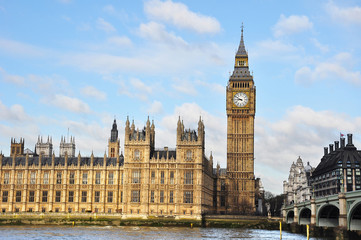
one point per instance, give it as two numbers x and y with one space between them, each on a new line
241 108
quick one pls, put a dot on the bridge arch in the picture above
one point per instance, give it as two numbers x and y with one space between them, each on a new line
290 216
304 216
354 216
327 216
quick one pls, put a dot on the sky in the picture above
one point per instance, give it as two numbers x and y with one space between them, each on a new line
68 68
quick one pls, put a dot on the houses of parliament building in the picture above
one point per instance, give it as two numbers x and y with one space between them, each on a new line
144 181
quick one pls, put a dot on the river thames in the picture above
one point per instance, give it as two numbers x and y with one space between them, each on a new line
128 232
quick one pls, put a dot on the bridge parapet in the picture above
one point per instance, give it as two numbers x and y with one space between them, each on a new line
342 210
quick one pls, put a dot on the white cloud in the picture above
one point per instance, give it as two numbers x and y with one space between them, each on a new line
157 33
21 49
14 113
215 87
184 86
323 48
109 9
105 26
120 41
179 15
344 15
141 86
301 132
70 104
135 88
91 91
291 25
336 68
156 107
14 79
275 49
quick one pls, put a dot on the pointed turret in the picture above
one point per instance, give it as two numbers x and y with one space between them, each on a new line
114 132
241 70
241 48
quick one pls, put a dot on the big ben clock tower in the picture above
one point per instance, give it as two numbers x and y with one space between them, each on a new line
241 109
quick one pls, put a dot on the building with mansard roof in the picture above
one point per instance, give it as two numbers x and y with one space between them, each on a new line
339 169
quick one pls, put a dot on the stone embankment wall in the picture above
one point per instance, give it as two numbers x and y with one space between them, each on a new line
116 220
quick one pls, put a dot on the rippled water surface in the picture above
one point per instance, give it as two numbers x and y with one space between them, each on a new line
110 233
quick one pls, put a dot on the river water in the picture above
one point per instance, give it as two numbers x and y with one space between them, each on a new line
142 233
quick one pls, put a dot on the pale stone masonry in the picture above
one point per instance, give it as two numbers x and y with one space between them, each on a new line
150 182
145 181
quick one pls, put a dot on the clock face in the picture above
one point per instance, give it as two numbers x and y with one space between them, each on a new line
240 99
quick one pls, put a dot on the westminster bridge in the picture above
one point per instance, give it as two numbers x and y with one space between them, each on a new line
341 210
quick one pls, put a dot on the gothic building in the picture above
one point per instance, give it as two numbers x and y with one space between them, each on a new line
241 109
298 187
145 181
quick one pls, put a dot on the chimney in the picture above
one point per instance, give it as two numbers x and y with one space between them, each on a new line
166 149
325 150
331 148
349 139
336 145
342 142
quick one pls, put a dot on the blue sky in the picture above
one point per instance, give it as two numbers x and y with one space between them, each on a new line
77 64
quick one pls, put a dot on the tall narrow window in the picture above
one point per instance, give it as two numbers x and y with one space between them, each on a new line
19 179
71 196
135 196
57 196
46 178
171 177
110 196
121 196
71 178
45 196
111 178
188 197
33 178
18 196
162 177
58 178
136 176
6 178
31 196
83 196
85 178
5 196
161 196
96 196
171 200
188 177
152 196
152 177
97 178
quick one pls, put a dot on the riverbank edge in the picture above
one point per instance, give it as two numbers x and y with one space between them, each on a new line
220 221
213 221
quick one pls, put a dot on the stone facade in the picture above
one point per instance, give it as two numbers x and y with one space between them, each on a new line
44 148
298 187
145 181
241 109
151 182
